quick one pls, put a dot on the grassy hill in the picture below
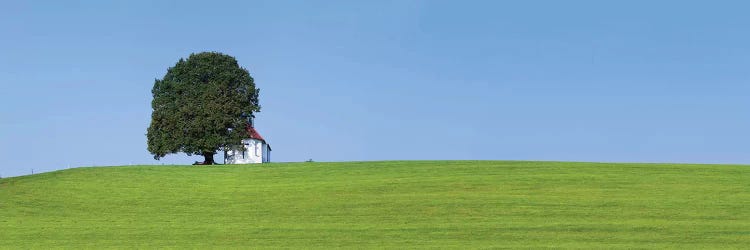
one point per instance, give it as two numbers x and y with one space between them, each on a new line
445 204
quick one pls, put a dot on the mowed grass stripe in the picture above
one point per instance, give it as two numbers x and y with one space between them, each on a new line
443 204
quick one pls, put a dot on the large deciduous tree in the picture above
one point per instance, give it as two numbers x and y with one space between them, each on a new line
200 106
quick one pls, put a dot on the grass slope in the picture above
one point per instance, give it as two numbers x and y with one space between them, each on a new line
445 204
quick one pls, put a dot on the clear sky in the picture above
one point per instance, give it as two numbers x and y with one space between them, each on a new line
615 81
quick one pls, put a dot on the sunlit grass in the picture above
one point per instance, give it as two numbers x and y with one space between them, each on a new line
443 204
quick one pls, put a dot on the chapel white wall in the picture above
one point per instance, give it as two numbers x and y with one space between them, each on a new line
253 153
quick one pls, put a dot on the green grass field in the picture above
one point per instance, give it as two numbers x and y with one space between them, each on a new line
399 204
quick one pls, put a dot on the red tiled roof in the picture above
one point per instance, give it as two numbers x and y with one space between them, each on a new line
254 134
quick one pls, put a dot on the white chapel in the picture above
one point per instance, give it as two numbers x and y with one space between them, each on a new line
256 149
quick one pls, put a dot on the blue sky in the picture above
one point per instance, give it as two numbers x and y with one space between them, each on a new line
620 81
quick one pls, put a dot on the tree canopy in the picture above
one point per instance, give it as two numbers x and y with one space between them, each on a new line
200 106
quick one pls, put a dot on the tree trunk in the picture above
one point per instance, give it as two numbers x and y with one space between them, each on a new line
208 158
